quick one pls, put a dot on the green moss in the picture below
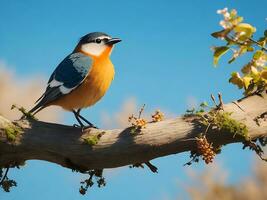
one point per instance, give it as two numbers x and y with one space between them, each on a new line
218 119
93 139
12 132
28 115
224 122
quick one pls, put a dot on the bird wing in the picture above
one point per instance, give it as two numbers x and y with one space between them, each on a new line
68 75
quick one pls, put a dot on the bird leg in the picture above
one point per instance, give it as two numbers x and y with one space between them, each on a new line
79 118
85 120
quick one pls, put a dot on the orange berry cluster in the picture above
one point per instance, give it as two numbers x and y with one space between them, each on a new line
137 122
205 149
158 116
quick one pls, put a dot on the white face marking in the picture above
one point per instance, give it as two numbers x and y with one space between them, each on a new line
95 49
102 37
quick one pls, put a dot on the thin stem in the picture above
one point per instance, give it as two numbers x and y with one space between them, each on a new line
213 100
244 43
256 42
141 111
220 100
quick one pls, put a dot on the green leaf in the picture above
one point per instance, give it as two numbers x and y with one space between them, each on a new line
250 48
258 54
254 71
236 80
204 104
247 81
219 51
246 29
239 20
264 74
246 69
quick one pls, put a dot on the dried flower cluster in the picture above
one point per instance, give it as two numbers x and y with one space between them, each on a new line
205 149
138 123
158 116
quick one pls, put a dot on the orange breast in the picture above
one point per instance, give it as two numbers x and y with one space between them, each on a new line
93 87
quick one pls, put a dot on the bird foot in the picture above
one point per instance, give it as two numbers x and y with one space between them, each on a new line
89 126
76 126
83 127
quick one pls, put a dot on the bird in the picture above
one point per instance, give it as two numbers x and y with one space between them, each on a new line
82 78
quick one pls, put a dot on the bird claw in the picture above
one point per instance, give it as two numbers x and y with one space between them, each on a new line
89 126
76 126
84 127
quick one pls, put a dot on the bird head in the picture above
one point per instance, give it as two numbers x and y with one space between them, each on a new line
96 44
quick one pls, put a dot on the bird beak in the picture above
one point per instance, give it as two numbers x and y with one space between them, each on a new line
113 41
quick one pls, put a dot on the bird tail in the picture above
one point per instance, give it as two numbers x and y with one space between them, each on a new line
33 111
37 108
44 100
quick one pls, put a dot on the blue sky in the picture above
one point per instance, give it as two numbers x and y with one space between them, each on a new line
164 60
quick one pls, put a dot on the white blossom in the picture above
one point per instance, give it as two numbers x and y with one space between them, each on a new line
226 16
236 53
225 23
222 11
234 12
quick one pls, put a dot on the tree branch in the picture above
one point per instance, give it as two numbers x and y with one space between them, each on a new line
66 146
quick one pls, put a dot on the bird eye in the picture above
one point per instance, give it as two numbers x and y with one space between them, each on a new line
98 41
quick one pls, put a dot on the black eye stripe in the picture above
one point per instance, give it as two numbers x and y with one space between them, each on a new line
105 39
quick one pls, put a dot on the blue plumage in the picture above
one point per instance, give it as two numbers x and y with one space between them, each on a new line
68 75
72 70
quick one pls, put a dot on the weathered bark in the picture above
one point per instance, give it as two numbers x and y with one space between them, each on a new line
64 145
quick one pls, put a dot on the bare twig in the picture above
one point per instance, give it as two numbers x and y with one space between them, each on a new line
141 111
237 104
256 42
220 106
213 99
